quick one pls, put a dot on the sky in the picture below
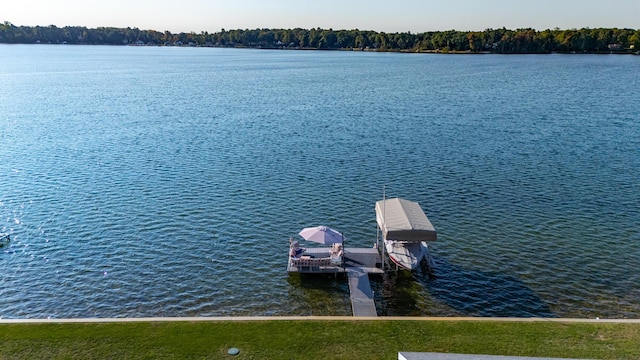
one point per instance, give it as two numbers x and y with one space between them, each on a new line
379 15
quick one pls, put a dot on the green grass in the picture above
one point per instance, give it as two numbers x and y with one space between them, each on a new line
339 339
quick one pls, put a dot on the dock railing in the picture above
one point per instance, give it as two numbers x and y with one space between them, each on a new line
313 265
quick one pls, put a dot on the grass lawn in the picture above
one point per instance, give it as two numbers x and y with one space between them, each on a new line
316 339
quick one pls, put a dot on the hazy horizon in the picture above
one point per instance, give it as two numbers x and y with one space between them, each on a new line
400 16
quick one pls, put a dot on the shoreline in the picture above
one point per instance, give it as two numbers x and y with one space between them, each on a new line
316 318
438 52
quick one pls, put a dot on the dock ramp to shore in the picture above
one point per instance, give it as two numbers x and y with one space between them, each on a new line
360 293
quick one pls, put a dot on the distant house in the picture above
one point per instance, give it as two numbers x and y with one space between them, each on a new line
615 47
139 43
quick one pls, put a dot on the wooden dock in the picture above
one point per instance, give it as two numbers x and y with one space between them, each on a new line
357 263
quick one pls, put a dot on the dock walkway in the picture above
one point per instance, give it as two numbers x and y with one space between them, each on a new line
360 293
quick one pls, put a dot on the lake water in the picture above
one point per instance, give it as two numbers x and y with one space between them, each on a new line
142 181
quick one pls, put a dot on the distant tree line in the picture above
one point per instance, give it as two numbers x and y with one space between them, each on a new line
520 41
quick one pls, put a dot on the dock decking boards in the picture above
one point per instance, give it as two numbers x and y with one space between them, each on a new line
367 259
361 295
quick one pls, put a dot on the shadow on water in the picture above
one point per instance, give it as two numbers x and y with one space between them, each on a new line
319 295
456 291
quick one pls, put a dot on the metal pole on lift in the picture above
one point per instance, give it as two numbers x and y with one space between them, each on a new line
384 219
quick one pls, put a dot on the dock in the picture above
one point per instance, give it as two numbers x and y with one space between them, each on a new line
357 263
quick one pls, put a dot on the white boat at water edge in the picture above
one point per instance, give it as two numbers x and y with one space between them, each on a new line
406 231
408 255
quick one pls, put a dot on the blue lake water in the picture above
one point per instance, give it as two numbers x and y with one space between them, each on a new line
141 181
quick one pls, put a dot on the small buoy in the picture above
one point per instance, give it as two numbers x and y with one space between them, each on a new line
233 351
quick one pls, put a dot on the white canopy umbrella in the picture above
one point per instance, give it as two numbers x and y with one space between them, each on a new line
322 234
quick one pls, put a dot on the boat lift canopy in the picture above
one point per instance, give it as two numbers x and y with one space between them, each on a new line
403 220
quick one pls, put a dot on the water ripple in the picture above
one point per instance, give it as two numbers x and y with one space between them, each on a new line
131 192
